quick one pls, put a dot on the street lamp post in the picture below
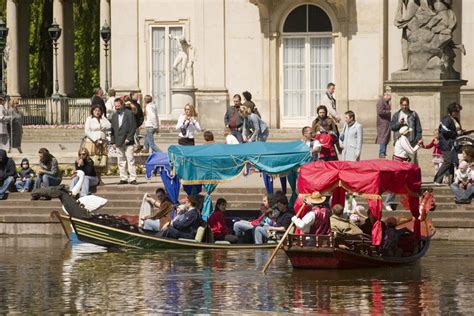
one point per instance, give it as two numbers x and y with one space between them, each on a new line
105 34
54 32
3 41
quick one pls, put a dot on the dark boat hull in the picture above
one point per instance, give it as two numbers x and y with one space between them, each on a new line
110 237
335 258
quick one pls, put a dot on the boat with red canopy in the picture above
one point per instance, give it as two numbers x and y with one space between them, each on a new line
368 179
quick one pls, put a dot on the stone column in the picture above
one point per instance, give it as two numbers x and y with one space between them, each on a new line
24 47
212 97
63 13
13 84
104 16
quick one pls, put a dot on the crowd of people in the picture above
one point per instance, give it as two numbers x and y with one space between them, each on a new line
113 125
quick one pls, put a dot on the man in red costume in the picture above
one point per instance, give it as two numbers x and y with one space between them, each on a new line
316 221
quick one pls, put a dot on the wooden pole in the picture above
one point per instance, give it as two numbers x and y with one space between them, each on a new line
265 268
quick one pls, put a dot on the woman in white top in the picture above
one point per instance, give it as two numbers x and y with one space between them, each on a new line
95 141
152 125
187 126
403 149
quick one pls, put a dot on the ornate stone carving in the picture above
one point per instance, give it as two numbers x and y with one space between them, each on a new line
183 63
427 39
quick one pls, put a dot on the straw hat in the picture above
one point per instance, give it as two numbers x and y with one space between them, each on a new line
315 198
404 130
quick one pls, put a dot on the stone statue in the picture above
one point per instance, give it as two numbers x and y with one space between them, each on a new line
405 12
183 63
427 39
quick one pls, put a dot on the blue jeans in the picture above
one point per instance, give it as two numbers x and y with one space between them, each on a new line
460 194
25 185
262 137
46 180
152 224
261 234
150 141
238 135
6 184
383 150
88 182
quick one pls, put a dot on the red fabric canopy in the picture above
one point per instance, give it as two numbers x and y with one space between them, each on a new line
369 177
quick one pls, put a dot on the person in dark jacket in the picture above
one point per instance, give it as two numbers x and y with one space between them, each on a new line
85 173
98 99
49 173
139 117
7 173
449 129
283 221
384 108
233 120
185 226
405 116
25 175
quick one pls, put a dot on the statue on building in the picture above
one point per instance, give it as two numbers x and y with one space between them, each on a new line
427 39
183 63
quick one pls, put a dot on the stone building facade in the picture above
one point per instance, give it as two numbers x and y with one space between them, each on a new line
283 51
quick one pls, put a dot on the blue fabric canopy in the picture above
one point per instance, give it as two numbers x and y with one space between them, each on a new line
216 163
158 162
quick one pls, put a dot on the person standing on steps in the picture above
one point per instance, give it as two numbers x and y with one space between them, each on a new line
384 112
122 139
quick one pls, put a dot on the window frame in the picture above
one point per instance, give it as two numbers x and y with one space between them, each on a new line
167 114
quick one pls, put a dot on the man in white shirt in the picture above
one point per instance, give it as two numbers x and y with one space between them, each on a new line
109 105
316 221
402 151
329 101
152 125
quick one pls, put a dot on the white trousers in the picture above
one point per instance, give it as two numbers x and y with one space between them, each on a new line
124 156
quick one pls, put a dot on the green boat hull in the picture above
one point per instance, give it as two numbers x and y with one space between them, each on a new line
110 237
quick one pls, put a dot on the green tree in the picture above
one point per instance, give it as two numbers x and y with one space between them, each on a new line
86 46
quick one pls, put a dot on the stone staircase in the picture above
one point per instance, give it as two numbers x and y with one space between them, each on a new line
20 215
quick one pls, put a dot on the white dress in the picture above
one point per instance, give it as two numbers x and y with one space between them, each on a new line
96 129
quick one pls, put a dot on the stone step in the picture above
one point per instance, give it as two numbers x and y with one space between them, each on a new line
164 136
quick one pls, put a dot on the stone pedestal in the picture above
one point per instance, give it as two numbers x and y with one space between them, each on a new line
211 106
429 98
180 96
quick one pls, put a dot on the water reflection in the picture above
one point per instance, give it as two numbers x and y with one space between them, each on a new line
42 275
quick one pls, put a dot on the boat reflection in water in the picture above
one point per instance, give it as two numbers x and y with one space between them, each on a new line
45 275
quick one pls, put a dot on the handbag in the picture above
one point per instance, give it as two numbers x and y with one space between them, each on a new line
99 160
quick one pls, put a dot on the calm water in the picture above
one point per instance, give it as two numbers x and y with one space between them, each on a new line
47 275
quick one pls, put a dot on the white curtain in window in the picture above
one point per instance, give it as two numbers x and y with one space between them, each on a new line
294 77
158 66
321 69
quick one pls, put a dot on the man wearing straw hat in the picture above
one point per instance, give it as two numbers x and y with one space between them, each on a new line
402 151
316 221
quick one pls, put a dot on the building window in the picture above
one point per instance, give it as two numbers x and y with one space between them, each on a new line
163 53
307 61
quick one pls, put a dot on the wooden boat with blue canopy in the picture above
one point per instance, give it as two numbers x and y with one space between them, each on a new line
368 179
205 166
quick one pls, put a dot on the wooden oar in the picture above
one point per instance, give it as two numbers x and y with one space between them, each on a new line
265 268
